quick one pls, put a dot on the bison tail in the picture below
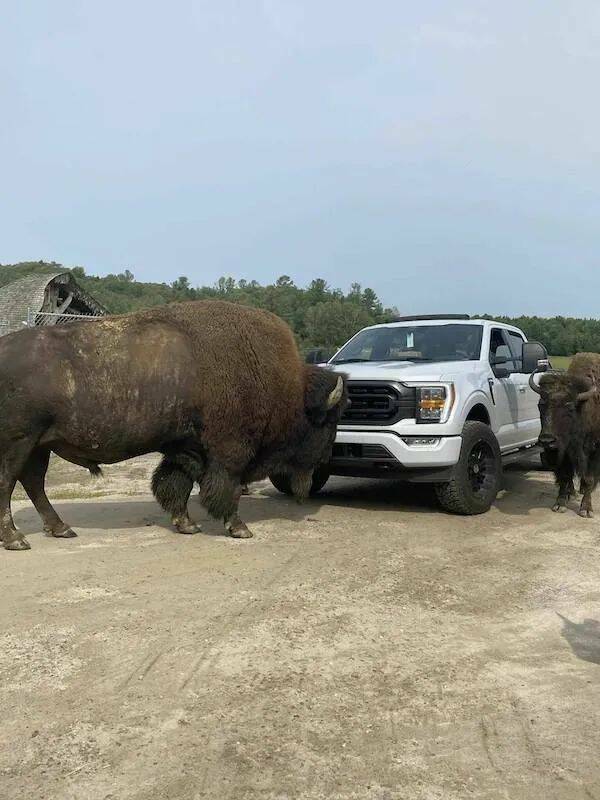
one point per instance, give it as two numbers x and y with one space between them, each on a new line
96 471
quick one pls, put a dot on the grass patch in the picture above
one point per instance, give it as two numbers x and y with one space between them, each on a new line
560 362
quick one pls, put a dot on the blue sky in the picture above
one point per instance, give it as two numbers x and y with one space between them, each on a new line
446 154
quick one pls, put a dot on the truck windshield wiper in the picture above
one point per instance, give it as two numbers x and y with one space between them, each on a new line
350 360
378 360
408 358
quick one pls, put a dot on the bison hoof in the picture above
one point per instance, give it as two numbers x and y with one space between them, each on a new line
68 533
188 527
241 532
559 509
17 544
586 514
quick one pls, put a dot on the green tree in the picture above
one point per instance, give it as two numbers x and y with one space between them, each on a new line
318 314
182 284
332 323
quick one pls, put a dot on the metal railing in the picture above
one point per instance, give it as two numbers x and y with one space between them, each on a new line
35 318
10 324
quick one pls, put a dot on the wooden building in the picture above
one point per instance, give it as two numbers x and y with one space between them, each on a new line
45 299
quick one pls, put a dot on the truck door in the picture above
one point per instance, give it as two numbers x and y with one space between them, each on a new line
528 411
504 391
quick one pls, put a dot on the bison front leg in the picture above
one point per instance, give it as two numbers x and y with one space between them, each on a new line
32 479
234 525
220 494
588 484
564 478
172 488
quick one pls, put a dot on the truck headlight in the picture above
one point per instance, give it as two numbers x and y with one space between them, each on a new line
431 403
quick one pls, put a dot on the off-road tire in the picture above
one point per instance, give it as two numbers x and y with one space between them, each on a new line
477 475
282 482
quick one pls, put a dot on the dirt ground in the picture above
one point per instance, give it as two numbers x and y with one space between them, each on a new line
364 646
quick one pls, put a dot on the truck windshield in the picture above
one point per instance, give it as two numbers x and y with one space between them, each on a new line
450 342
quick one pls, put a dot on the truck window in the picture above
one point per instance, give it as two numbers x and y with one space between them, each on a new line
515 340
501 345
451 342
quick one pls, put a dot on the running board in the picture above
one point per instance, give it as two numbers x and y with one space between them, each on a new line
517 455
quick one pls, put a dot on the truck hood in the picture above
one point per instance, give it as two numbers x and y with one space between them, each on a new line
405 371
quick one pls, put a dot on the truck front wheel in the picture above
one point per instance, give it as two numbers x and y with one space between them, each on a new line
477 475
282 482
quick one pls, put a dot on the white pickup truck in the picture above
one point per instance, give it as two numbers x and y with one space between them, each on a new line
440 400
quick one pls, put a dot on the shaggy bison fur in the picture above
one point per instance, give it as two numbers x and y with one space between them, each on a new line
219 389
570 416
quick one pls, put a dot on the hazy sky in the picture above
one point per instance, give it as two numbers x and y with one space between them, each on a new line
445 153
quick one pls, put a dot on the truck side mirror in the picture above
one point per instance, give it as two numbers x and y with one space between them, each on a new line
535 357
318 355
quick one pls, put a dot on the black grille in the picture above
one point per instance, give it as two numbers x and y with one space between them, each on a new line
378 403
371 452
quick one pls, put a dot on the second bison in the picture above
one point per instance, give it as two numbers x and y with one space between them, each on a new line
219 389
570 416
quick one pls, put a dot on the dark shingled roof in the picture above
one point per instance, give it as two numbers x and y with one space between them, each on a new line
28 293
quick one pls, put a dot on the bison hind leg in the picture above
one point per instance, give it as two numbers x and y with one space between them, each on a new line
32 479
172 486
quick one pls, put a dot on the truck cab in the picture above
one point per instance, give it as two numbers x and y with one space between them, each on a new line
435 399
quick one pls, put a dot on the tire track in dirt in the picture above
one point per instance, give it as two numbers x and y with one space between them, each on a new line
247 612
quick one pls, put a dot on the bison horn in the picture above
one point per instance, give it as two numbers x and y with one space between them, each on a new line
533 384
587 395
335 397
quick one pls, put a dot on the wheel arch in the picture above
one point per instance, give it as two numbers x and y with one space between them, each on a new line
478 413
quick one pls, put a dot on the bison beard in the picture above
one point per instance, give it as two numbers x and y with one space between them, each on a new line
218 389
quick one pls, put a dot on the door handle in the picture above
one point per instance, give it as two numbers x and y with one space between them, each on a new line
522 389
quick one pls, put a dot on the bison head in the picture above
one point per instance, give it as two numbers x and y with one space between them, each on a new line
562 397
325 398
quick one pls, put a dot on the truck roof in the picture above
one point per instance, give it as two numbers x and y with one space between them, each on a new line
450 319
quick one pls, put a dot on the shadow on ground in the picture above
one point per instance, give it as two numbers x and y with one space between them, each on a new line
583 638
263 504
525 487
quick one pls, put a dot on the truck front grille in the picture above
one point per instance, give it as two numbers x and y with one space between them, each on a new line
369 452
378 403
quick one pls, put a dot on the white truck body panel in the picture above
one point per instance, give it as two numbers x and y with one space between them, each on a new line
507 402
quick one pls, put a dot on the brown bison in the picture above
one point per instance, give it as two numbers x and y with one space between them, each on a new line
570 416
219 389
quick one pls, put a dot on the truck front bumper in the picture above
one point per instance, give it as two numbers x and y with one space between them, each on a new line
383 454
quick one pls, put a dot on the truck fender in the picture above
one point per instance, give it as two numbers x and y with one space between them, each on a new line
479 406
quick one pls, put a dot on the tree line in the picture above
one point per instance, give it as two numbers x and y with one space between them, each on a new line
319 315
